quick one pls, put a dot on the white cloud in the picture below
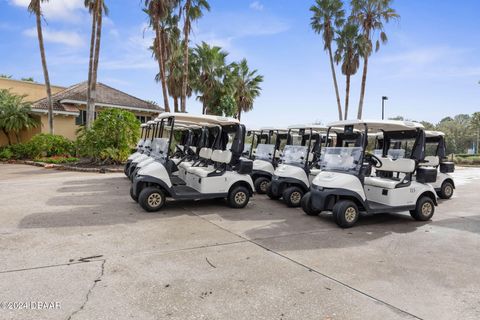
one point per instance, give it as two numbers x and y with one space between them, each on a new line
67 10
68 38
256 5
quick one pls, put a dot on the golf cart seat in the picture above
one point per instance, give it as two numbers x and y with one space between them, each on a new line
430 161
400 165
205 154
218 156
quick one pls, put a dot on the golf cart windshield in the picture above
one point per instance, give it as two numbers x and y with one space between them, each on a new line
295 155
341 158
265 152
393 154
160 148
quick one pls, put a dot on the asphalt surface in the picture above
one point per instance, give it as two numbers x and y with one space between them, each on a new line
76 245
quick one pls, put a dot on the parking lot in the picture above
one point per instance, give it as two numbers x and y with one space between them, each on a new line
77 240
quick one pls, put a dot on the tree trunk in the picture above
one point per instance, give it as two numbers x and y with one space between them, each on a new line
239 115
186 32
90 108
45 73
347 95
161 65
362 90
8 137
364 79
175 103
335 83
98 37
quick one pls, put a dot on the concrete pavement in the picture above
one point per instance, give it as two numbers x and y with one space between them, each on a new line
77 239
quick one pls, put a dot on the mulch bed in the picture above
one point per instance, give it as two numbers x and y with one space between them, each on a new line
79 167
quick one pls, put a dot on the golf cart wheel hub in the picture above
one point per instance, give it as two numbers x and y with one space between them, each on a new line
240 197
154 200
296 197
350 214
426 208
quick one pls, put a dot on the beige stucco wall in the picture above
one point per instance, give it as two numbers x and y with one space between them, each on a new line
33 91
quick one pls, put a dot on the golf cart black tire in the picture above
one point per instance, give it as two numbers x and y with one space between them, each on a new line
233 200
287 196
132 195
144 197
258 185
417 212
339 213
443 193
306 206
270 194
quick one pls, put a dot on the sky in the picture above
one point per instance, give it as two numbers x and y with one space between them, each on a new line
429 69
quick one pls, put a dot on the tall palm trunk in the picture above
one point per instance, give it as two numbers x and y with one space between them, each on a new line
335 83
186 30
175 104
364 79
347 95
93 93
362 90
239 115
161 65
90 107
8 136
45 72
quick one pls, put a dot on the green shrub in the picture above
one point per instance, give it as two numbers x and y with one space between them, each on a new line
111 136
58 160
49 145
21 151
6 154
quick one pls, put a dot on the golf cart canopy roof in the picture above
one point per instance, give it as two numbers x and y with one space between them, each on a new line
433 134
378 125
200 119
314 127
151 122
273 129
143 125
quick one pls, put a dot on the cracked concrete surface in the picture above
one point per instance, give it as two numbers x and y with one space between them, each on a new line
79 240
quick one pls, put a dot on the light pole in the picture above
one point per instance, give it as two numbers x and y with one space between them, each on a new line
383 106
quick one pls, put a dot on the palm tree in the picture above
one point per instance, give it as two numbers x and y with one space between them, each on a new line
15 114
193 10
350 46
371 15
35 8
246 87
210 62
96 8
328 15
157 11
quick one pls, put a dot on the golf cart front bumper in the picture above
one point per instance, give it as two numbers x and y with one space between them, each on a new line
323 199
278 184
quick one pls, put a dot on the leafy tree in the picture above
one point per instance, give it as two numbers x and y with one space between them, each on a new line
210 61
29 79
350 46
35 8
15 114
328 16
371 15
97 9
159 10
193 10
111 136
475 124
6 76
246 85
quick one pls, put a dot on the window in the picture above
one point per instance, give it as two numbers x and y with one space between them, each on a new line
82 118
144 119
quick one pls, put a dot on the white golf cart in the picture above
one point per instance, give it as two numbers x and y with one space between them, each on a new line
143 146
267 143
435 157
299 164
345 185
221 173
153 129
185 150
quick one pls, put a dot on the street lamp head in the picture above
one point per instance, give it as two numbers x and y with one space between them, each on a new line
384 98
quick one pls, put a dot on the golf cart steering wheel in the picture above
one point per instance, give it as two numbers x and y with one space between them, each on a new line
374 160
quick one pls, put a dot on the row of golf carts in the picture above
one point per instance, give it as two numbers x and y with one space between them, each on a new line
346 167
